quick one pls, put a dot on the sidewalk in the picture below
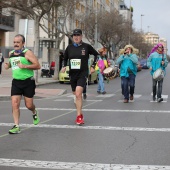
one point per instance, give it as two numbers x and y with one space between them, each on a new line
6 79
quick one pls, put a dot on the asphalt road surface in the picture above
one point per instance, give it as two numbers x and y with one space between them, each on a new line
115 135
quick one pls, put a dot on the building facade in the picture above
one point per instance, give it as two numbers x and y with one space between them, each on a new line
154 39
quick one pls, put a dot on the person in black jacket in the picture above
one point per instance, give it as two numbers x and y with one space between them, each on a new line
78 55
1 61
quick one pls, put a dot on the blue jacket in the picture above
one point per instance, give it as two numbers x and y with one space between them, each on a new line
154 61
128 63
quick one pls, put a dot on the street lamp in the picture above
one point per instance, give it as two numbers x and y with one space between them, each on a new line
148 28
130 22
141 21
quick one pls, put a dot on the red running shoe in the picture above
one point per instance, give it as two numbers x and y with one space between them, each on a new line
79 120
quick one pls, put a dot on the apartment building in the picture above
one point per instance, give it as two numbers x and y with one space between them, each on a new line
154 39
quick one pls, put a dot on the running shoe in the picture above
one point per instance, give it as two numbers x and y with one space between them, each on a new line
79 120
15 129
36 118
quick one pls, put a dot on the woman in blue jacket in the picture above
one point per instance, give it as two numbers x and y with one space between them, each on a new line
128 71
157 59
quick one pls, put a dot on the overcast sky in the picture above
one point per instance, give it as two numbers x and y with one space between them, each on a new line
156 17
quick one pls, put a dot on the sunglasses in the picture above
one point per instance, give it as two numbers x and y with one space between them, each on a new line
76 34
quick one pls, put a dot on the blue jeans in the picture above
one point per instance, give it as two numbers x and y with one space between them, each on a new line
154 88
101 86
126 83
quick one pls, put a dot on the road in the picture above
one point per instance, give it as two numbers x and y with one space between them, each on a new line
116 135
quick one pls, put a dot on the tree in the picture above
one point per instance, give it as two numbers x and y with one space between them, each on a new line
31 9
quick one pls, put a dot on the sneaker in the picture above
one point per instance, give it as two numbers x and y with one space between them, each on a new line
154 98
98 92
160 100
36 118
84 96
15 129
79 120
103 92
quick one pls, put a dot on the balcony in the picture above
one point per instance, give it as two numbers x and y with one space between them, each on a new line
6 23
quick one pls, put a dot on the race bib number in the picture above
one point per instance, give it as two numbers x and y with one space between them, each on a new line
75 63
14 63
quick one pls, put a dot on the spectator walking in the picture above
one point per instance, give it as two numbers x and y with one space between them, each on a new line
157 60
128 70
1 61
102 63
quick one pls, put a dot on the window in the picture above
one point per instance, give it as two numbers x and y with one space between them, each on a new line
77 23
108 2
78 6
82 8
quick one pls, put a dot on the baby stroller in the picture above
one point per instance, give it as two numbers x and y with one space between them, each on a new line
45 71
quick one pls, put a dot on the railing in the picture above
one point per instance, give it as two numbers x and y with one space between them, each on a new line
6 22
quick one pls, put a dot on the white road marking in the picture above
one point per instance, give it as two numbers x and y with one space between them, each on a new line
157 102
105 95
138 129
137 95
130 101
62 100
75 165
104 110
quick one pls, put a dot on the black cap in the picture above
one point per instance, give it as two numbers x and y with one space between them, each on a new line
77 31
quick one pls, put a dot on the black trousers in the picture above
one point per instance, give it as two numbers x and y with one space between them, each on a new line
0 67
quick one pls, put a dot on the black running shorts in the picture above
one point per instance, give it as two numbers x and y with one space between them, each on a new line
79 81
23 87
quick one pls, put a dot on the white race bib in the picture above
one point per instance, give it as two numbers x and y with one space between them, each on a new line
75 63
14 63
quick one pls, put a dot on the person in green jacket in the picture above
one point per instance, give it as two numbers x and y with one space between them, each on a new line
22 61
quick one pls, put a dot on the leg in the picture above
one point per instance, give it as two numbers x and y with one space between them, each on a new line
122 87
125 88
159 93
15 108
101 82
154 84
132 85
30 105
78 85
78 94
0 67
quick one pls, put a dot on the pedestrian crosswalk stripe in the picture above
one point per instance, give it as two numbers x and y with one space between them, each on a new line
111 128
61 100
105 95
103 110
74 165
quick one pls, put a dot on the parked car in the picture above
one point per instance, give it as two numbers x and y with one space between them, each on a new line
64 77
143 63
139 67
